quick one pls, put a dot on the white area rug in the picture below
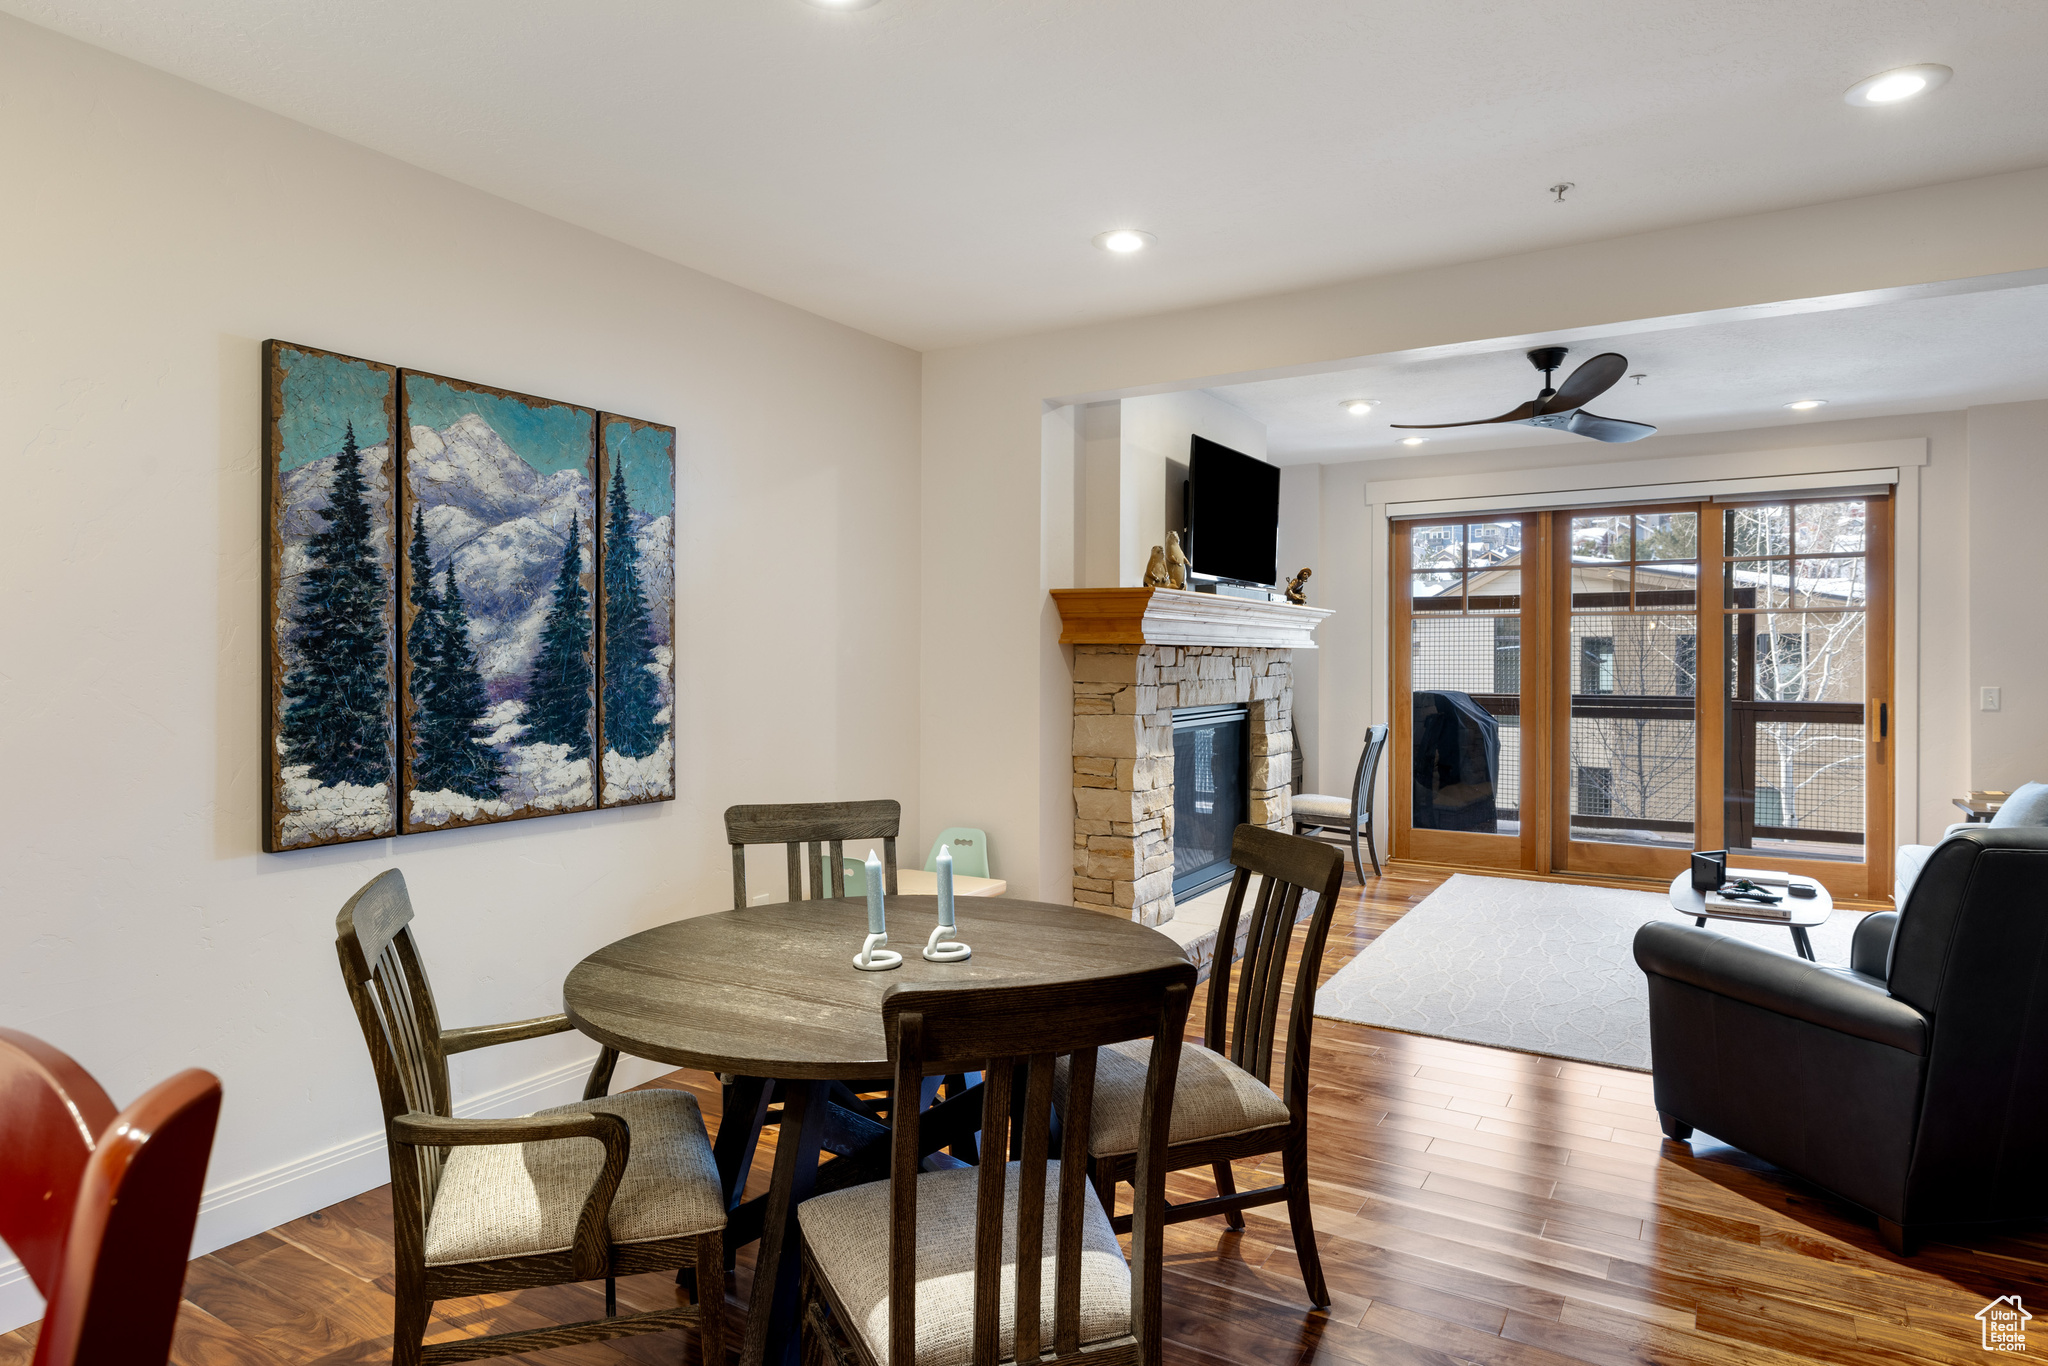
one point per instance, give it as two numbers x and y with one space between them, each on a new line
1539 967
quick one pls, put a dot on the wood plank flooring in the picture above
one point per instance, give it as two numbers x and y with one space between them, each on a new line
1472 1205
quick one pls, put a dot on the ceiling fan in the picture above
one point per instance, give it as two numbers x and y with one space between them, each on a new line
1564 409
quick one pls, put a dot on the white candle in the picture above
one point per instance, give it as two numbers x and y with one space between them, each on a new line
946 885
877 923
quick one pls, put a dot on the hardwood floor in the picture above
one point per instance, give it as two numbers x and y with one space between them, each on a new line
1472 1205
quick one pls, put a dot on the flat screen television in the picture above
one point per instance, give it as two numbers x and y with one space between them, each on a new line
1233 514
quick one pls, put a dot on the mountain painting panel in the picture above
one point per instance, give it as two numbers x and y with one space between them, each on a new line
636 611
498 653
330 595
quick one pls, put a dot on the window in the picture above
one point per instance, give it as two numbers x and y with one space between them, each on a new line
1596 791
1507 655
1685 661
1596 665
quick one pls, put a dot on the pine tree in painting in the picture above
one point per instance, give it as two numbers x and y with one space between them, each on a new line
336 719
423 637
631 698
448 754
558 694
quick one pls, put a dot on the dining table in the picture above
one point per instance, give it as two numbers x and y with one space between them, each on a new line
769 997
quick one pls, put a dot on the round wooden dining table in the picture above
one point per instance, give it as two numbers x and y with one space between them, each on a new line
770 996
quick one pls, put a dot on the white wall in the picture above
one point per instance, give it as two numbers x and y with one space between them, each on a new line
157 233
983 410
2007 549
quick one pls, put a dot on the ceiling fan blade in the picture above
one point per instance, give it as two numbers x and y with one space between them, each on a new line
1607 428
1588 382
1521 414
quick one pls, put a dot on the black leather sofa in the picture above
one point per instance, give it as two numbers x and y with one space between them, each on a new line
1913 1082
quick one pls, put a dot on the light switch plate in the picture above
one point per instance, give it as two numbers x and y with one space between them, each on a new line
1987 699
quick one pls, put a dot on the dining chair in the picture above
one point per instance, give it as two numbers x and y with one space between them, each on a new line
814 835
1339 819
970 851
1225 1108
609 1186
924 1268
98 1205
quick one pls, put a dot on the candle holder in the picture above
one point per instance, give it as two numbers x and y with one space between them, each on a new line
874 958
936 950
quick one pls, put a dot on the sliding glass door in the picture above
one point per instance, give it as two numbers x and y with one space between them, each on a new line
1626 704
1604 690
1461 783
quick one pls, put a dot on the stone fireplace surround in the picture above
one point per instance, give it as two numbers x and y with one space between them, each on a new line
1140 653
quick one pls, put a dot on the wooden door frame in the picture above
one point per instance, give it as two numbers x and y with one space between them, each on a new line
1461 848
1597 858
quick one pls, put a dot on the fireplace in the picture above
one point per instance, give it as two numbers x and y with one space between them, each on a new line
1211 759
1156 801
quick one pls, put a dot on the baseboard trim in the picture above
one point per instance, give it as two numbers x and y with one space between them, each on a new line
240 1209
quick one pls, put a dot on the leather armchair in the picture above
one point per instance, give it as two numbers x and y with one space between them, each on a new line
1913 1082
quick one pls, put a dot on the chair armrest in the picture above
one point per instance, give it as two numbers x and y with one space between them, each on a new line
1833 998
591 1250
1870 950
484 1036
1960 826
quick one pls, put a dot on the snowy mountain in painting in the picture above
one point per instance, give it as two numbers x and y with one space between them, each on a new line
506 524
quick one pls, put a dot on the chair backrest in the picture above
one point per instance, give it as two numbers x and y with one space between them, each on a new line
949 1030
970 851
387 984
1242 1024
100 1206
1363 781
814 835
1970 952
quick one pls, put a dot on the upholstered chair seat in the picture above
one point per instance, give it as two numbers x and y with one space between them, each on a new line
1214 1098
847 1233
520 1199
1318 804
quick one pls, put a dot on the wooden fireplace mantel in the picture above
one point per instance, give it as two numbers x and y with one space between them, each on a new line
1169 616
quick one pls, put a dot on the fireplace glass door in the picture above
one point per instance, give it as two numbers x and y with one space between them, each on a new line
1210 765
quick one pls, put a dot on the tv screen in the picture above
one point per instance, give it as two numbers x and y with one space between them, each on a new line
1233 514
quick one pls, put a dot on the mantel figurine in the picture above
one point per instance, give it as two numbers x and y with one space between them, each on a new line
1176 562
1296 593
1155 570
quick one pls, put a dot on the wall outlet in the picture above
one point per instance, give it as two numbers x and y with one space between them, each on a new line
1987 699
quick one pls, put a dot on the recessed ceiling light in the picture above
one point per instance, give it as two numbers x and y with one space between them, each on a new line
1903 83
1806 405
1413 440
842 4
1124 241
1357 407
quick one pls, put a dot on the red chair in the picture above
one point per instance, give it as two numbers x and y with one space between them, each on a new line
99 1206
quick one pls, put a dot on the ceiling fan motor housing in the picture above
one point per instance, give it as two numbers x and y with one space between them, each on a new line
1548 358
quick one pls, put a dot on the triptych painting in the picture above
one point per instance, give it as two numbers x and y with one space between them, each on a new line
471 602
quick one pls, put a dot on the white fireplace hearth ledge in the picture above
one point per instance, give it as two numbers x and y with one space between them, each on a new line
1140 653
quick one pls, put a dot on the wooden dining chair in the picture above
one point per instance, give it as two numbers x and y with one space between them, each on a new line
609 1186
99 1206
815 835
1225 1108
1345 819
924 1269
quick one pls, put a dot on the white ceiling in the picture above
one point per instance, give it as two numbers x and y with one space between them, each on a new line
932 170
1921 355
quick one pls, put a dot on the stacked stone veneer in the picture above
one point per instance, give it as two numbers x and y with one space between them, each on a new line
1124 700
